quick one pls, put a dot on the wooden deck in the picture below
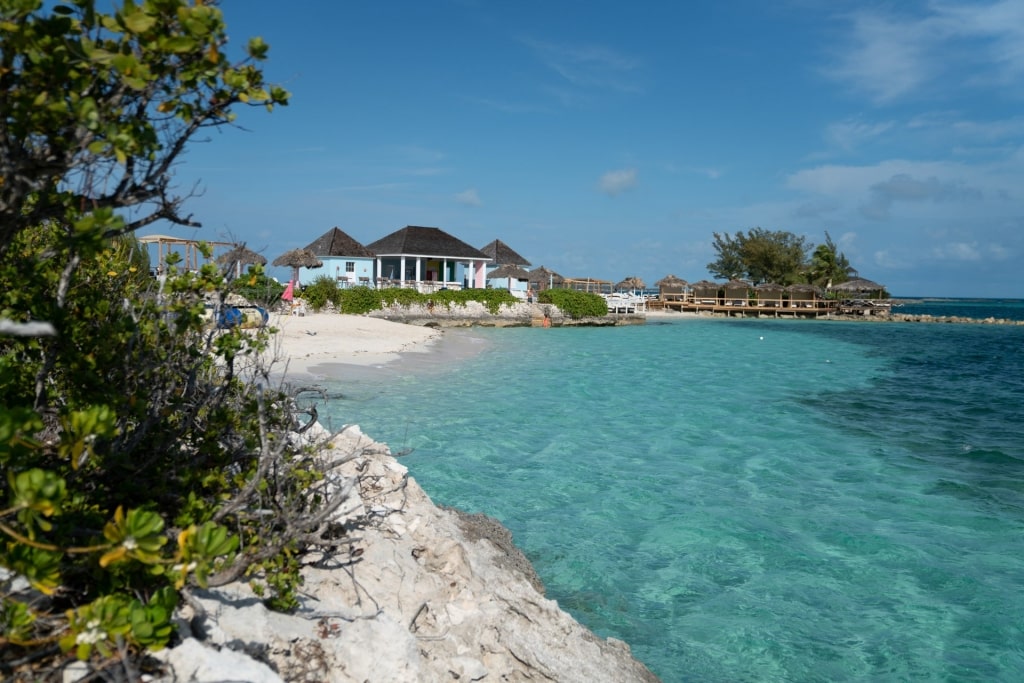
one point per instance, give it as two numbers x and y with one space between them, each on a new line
771 309
801 310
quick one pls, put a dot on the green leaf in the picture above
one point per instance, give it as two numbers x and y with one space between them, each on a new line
138 22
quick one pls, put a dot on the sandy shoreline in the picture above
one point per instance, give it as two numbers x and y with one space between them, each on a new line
305 342
319 345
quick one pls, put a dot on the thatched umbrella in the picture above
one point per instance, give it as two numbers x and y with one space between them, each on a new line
631 283
298 258
240 256
542 278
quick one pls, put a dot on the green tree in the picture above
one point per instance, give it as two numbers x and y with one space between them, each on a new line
97 108
759 255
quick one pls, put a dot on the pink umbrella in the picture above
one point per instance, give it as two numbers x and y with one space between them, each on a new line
288 293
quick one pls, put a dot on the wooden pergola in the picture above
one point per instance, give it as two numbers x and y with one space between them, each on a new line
166 244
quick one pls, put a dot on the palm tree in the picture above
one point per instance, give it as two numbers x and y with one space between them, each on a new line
829 266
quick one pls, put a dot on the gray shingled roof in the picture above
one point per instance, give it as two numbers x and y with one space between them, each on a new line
335 242
419 241
504 255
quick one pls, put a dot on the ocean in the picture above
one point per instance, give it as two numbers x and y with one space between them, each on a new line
741 500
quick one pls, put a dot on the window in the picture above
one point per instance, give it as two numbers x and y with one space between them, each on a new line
350 266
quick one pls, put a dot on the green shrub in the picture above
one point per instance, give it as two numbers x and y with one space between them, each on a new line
493 299
257 288
359 300
138 448
320 291
575 304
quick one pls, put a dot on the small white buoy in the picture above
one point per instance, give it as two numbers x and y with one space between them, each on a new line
761 338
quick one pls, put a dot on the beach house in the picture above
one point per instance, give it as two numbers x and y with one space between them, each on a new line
427 259
344 259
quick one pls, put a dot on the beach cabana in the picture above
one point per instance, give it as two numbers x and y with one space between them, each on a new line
542 278
671 288
769 294
296 259
861 288
803 296
233 260
737 293
428 259
705 293
346 259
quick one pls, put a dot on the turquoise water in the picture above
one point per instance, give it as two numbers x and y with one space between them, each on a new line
1008 309
745 500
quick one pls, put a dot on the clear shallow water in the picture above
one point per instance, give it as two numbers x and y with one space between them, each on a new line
745 500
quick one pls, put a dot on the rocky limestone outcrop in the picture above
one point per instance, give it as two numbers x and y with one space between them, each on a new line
432 594
522 314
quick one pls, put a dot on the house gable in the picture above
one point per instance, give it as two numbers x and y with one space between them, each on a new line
335 242
414 240
503 255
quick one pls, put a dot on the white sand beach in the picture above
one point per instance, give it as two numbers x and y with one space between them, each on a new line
318 338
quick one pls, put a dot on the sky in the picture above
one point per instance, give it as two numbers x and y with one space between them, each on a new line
613 139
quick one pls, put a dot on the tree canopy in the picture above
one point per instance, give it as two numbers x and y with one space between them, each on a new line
760 255
828 265
97 108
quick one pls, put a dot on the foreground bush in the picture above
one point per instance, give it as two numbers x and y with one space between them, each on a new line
575 304
141 449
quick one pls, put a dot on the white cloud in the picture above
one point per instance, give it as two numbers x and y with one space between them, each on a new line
953 44
469 197
850 134
884 57
589 66
616 182
956 251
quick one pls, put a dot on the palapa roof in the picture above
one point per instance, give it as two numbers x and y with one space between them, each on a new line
858 285
415 240
509 270
671 281
705 285
769 287
241 254
544 276
503 254
336 242
298 258
733 285
804 289
631 282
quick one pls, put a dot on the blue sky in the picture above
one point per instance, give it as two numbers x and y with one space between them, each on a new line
610 139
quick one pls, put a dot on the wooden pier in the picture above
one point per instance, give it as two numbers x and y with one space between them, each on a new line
802 309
